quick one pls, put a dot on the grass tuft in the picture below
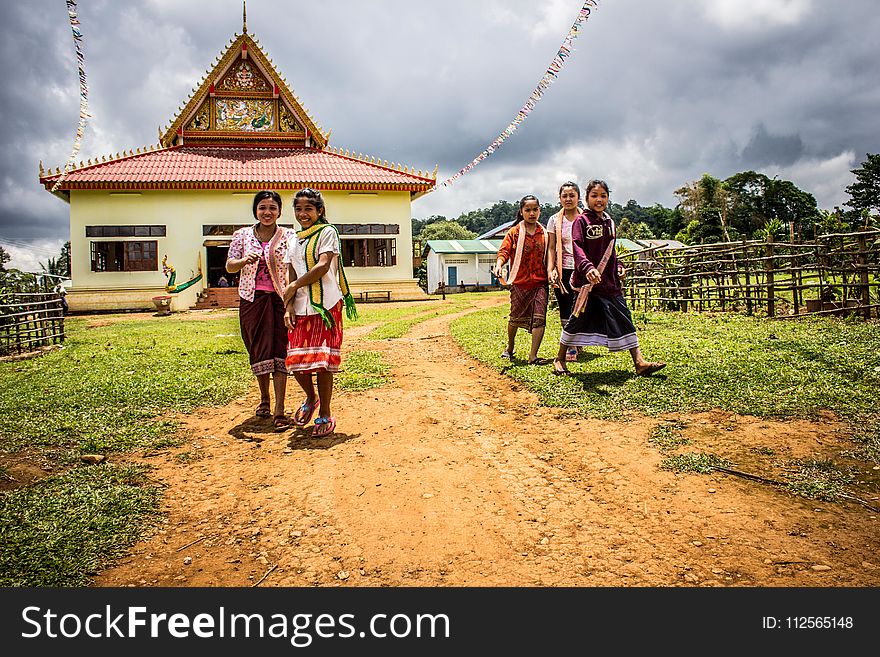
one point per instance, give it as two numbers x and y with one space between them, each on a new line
694 462
63 529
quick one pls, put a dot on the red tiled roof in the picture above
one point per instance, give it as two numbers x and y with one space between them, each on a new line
215 167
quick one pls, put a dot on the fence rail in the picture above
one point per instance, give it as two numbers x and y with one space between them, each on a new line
29 321
834 274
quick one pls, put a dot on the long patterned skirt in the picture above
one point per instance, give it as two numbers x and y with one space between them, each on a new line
528 308
263 332
604 323
565 300
312 346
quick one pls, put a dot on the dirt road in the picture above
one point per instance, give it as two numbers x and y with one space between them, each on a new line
452 475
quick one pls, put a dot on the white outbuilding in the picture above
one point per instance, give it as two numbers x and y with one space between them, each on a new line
461 264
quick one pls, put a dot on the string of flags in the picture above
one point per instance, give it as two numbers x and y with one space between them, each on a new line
83 92
552 73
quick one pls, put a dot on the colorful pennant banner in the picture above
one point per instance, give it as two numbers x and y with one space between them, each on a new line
553 70
83 92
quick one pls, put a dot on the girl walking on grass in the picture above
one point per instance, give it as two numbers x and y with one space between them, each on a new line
525 246
560 256
600 315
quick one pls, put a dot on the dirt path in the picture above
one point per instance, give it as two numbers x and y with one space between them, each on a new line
452 475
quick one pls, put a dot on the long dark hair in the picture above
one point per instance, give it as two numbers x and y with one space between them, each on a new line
259 196
316 199
522 202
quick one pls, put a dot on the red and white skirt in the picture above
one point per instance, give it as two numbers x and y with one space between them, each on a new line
312 346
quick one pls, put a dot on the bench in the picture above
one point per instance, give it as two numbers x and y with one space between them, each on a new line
373 295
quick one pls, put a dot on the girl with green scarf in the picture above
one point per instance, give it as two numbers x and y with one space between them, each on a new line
314 302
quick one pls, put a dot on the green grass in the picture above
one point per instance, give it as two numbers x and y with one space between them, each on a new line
698 462
362 370
817 480
111 386
666 436
400 327
61 530
741 364
112 389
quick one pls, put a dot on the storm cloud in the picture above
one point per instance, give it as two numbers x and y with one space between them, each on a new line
655 95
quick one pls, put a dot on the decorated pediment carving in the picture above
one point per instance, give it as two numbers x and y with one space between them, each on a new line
245 114
202 118
241 100
287 121
244 76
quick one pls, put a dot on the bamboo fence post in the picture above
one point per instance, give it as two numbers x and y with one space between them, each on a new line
864 281
771 291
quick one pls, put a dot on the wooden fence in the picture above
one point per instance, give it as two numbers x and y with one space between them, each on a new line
31 314
834 274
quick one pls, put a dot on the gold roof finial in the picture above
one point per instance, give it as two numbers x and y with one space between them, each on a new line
244 17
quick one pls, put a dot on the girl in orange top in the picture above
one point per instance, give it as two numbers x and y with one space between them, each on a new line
525 247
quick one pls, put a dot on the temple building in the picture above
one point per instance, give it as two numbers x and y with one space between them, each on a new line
158 220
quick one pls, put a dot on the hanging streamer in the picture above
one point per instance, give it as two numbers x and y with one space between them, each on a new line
83 92
552 72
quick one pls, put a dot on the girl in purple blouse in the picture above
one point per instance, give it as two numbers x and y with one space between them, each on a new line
605 320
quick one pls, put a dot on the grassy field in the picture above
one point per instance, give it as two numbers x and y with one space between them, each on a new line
747 365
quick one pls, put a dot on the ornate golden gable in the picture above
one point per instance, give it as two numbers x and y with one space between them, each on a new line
243 100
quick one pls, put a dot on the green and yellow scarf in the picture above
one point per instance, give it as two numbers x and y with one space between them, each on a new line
316 289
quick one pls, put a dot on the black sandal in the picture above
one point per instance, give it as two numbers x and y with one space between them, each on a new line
539 361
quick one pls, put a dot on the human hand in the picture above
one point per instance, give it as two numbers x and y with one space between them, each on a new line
289 320
593 276
554 278
621 272
251 258
289 293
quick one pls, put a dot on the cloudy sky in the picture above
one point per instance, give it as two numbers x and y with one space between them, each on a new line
655 95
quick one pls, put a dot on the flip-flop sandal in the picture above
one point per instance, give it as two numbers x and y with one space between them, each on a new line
324 426
506 355
539 361
650 369
304 414
263 410
281 423
571 355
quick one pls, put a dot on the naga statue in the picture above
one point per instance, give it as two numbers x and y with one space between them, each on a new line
171 287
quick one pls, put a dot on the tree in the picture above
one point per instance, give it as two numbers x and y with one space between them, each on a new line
419 224
4 258
705 205
634 230
59 266
667 222
759 200
445 230
865 191
484 220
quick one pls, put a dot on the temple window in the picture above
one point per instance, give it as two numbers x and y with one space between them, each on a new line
369 252
125 231
124 256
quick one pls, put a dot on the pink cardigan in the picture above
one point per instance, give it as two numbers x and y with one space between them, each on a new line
244 242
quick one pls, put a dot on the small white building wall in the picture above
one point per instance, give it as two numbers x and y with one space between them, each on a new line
473 268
